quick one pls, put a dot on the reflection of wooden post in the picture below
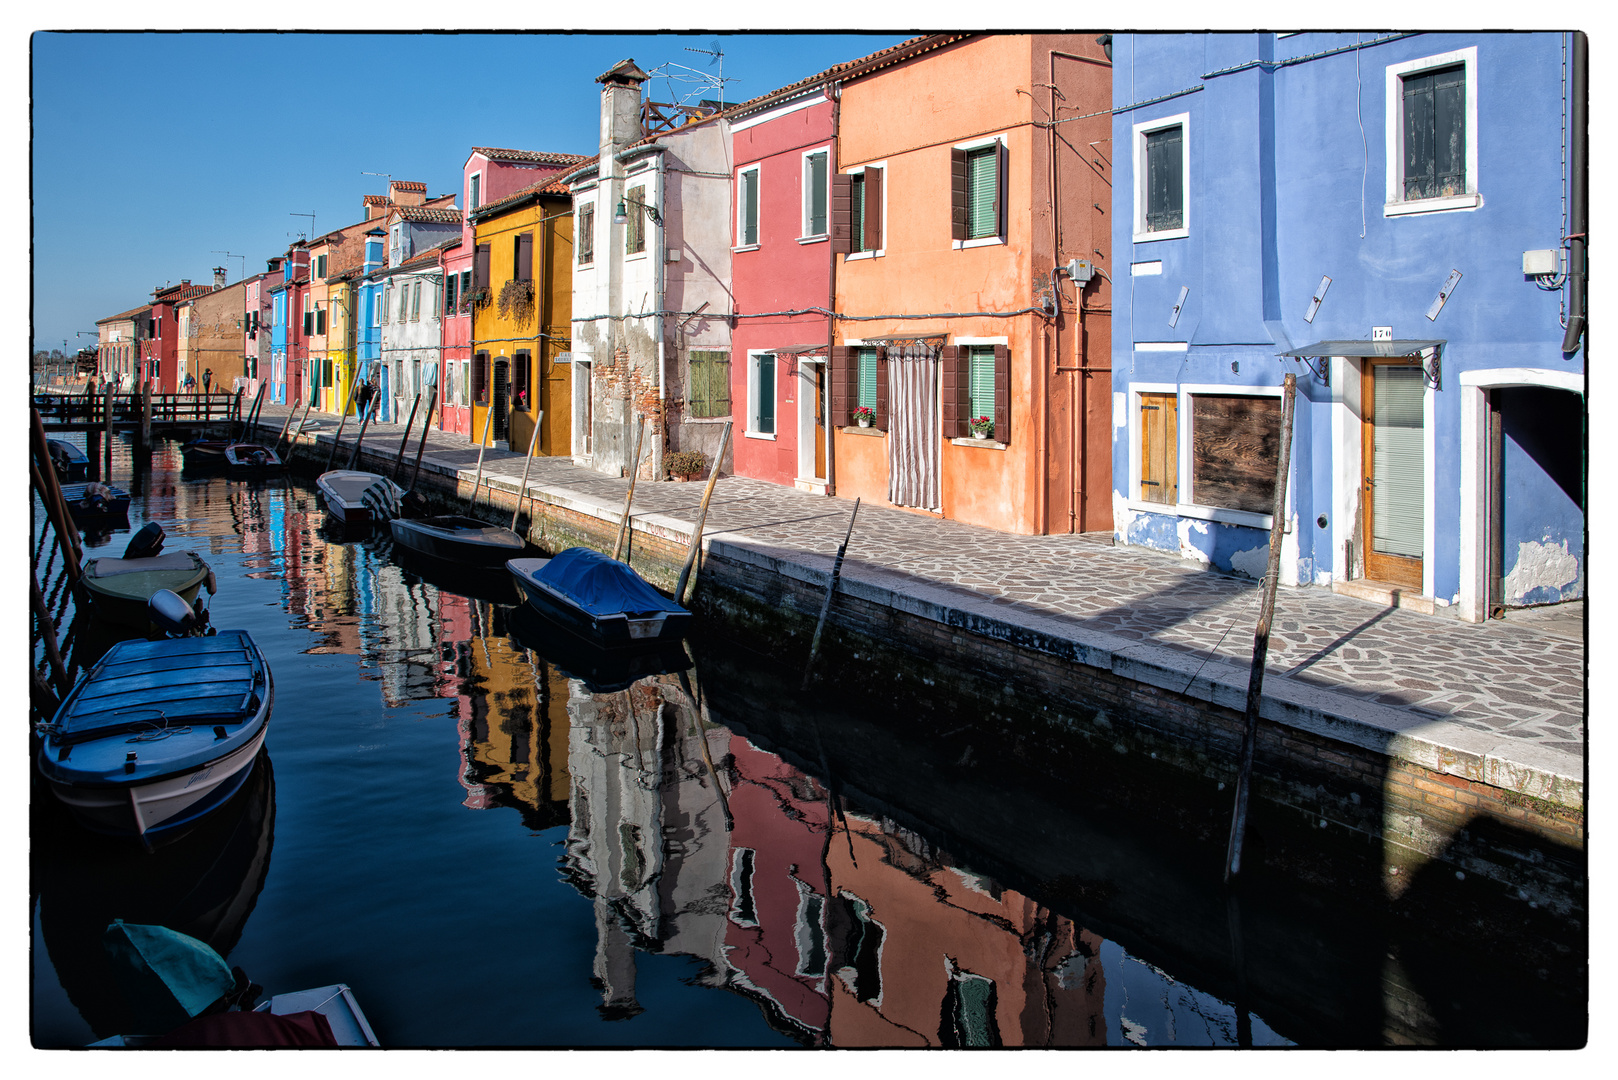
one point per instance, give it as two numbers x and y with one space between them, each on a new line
634 471
702 517
146 415
483 444
522 489
1261 636
425 425
47 631
831 587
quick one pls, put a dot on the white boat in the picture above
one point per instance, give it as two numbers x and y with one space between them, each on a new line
354 498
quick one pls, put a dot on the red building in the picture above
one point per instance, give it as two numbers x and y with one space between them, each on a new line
159 355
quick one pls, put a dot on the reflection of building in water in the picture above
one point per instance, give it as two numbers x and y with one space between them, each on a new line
925 954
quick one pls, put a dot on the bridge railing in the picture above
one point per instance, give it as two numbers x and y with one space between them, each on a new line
217 407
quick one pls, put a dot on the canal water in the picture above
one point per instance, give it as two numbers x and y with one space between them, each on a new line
497 844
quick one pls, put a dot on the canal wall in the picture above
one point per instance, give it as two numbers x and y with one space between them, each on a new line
1332 771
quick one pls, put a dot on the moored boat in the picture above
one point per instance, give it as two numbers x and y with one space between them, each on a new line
120 589
94 503
68 460
350 495
459 539
159 733
600 599
204 453
252 459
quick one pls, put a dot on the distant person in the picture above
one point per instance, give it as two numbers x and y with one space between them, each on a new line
190 384
366 392
207 381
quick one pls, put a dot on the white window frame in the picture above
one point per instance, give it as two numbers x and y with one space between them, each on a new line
859 170
1004 141
756 168
578 215
1137 143
805 235
752 431
376 305
1394 134
474 179
1186 504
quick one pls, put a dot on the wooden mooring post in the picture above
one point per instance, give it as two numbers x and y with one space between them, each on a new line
1261 636
831 587
483 444
522 488
629 499
426 425
702 517
341 423
404 440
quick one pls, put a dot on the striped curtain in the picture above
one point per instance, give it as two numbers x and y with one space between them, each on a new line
913 426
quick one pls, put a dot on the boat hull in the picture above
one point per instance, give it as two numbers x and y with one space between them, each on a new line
343 491
122 598
252 459
114 507
619 630
461 540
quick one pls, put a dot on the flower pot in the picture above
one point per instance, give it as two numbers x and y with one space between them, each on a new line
980 434
864 422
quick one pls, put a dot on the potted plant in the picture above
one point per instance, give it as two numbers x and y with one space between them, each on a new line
982 426
864 415
684 464
516 300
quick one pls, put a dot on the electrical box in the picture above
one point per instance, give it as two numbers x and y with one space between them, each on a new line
1543 263
1080 270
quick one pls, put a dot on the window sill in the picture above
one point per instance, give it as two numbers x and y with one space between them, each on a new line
1204 513
1164 234
854 256
634 256
984 444
707 420
1432 206
821 239
591 265
857 430
745 247
768 436
982 241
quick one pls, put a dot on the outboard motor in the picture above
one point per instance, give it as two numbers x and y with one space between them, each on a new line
170 613
145 543
412 504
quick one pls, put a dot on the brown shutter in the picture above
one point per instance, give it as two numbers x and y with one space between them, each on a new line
1000 203
873 209
525 256
480 267
845 375
842 214
956 402
1002 394
957 194
881 389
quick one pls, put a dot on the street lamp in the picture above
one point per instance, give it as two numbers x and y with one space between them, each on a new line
622 216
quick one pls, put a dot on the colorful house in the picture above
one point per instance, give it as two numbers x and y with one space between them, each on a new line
120 352
289 349
1423 295
526 239
160 348
408 301
971 284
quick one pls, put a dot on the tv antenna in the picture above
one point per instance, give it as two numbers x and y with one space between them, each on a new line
701 83
311 217
233 255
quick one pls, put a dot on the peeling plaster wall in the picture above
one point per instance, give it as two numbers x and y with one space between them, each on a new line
1543 516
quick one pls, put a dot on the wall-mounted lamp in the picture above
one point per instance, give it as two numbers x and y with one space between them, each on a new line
621 217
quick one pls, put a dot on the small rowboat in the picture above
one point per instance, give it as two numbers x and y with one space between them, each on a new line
205 453
68 460
159 733
454 538
252 459
92 503
599 599
350 495
120 589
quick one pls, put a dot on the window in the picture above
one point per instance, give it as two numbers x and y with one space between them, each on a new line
977 382
761 394
856 211
433 308
708 394
1431 134
308 322
586 238
320 320
867 379
814 192
1235 441
463 397
968 1013
480 268
449 291
415 302
466 289
480 378
635 227
474 191
859 377
1159 448
521 372
522 257
1161 162
742 910
404 301
977 192
320 266
747 207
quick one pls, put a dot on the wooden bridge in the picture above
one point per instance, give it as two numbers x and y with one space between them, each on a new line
111 411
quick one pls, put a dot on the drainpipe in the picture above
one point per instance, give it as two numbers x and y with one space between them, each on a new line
1577 220
661 278
835 92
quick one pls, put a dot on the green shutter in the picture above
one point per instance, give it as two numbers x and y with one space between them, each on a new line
817 194
983 190
867 361
750 207
981 382
766 393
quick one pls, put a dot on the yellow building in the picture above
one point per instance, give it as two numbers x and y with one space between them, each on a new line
524 259
338 371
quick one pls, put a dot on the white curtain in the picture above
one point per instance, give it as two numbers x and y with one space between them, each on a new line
913 426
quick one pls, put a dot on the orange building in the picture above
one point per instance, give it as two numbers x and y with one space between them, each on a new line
968 211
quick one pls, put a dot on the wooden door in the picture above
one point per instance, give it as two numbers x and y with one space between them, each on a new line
820 421
1393 470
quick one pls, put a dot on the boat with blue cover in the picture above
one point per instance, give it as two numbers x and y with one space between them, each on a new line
599 598
159 733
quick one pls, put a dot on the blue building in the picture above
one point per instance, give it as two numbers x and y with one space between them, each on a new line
1391 219
368 329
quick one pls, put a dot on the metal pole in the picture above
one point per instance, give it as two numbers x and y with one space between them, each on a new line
483 444
831 587
702 517
634 471
522 491
1261 636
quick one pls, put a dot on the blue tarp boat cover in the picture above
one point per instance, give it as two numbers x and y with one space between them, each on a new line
600 585
167 977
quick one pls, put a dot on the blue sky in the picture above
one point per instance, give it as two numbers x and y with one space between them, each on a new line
154 151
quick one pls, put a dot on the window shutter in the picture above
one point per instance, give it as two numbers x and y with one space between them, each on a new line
844 383
750 207
882 389
721 386
983 183
1159 448
1164 179
308 323
1000 163
817 194
587 230
956 393
873 210
525 257
480 267
1002 394
842 214
957 194
320 320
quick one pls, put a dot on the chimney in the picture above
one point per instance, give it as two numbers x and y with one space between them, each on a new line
219 277
407 192
620 110
373 249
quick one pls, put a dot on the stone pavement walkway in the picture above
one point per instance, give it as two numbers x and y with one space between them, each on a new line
1511 688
